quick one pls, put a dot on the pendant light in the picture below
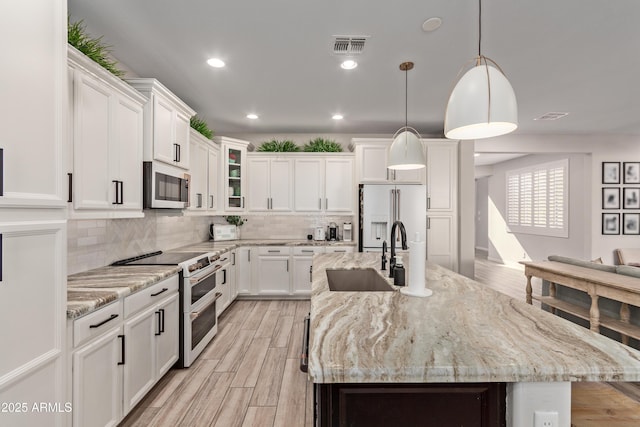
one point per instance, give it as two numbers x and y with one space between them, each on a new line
482 104
406 149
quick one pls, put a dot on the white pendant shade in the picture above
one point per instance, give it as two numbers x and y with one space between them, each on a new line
406 152
481 107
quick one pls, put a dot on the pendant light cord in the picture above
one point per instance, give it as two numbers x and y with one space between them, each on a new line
406 97
479 26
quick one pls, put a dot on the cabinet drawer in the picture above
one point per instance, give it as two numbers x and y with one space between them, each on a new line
308 250
150 295
339 249
274 250
96 323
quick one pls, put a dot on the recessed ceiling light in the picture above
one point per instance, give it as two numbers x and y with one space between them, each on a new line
476 154
551 116
349 64
337 117
216 62
431 24
252 116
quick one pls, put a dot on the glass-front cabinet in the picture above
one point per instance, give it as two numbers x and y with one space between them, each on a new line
234 159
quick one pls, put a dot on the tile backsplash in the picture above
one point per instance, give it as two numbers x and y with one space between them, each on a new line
96 243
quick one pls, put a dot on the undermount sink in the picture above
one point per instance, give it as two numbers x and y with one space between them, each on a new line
357 279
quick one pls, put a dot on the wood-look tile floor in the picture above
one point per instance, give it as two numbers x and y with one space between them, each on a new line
249 376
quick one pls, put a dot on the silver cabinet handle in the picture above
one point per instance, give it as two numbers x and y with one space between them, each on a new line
398 204
320 203
428 202
211 201
287 265
307 250
326 204
428 223
275 251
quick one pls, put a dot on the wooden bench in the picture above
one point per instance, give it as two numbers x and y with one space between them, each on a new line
596 284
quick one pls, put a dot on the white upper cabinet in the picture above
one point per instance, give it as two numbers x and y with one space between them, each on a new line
166 124
270 183
234 167
371 164
214 170
106 128
442 175
324 184
204 169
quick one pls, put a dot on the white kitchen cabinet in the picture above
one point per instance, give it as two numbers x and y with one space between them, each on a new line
301 268
234 167
270 183
232 273
139 364
371 164
324 184
166 124
442 175
106 116
204 169
167 337
223 283
441 240
213 168
244 271
273 271
339 249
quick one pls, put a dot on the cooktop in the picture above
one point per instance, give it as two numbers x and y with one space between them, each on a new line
161 258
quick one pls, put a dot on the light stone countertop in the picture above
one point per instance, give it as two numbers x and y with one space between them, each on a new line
464 332
90 290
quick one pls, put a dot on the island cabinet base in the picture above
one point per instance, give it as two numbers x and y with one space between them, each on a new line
407 405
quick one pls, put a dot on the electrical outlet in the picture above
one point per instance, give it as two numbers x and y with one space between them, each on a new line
545 419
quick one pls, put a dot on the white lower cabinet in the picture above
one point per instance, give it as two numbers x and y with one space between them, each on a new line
121 351
244 271
301 262
339 249
441 240
273 275
233 282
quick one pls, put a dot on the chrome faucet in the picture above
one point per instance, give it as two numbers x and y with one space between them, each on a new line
384 256
403 238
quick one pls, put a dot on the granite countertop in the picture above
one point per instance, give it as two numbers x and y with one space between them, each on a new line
464 332
90 290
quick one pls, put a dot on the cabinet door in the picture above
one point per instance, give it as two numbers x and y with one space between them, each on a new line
235 170
168 340
244 274
373 164
212 173
301 277
233 282
163 130
308 185
412 176
441 247
281 184
182 131
273 275
139 366
97 381
91 142
442 173
339 186
127 165
258 197
198 184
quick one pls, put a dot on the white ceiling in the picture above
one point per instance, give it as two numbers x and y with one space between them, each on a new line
576 56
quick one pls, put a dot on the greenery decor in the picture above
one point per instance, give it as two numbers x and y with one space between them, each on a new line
324 145
235 220
279 146
78 37
201 127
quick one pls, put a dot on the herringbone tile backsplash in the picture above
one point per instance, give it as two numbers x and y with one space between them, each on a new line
96 243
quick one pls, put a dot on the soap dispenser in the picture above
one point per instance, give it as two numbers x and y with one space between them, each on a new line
398 272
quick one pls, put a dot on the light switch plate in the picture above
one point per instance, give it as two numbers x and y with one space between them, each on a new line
545 419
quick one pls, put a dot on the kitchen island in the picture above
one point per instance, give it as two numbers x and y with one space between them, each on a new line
464 334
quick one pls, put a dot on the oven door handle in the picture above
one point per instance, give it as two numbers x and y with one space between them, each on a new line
200 279
193 316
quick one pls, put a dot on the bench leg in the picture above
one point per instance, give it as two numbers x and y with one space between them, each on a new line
625 314
594 314
529 290
552 294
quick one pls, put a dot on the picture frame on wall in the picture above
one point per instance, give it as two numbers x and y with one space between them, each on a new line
631 198
631 172
611 172
610 223
610 198
631 223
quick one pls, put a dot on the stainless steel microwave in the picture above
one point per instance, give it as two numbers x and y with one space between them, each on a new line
164 186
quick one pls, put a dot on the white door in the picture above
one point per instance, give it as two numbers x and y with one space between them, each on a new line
139 367
244 274
273 275
97 382
91 143
441 176
339 186
168 340
214 168
441 241
128 143
373 164
258 197
301 274
280 183
163 130
308 185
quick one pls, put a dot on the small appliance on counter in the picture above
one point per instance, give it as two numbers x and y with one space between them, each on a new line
319 233
347 232
220 232
332 233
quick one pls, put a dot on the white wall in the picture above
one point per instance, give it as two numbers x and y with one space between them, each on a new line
601 148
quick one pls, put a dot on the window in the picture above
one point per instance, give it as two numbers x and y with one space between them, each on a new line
537 199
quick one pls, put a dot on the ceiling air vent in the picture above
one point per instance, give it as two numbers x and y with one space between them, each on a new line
348 45
551 116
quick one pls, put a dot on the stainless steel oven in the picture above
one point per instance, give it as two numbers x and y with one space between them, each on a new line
198 295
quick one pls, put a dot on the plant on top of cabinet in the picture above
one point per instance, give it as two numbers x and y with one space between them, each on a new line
323 145
201 127
283 146
97 51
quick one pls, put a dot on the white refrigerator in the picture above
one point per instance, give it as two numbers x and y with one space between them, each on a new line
382 205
